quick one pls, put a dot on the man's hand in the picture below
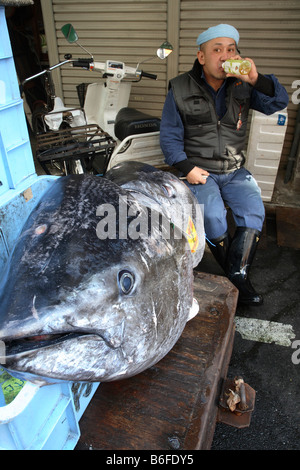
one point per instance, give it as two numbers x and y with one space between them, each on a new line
197 176
252 75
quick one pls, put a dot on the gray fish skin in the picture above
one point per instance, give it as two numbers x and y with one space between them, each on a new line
164 192
119 305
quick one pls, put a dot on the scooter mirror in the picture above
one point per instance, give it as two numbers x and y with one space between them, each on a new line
71 36
69 33
164 50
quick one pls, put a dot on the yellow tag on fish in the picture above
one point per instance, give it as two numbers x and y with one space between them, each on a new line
192 236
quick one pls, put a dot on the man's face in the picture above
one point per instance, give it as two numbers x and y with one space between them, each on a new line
213 54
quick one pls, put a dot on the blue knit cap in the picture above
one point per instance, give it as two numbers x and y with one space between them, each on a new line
219 31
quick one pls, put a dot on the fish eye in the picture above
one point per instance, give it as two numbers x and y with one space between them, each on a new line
126 281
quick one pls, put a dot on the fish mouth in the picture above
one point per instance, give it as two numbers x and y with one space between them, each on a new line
18 346
53 355
112 336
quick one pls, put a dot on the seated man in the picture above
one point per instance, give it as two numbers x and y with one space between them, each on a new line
203 132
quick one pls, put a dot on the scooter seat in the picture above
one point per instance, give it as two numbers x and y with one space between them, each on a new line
129 121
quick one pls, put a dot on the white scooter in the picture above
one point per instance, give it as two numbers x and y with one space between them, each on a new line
103 133
106 104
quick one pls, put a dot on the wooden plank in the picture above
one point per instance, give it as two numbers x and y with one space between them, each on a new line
172 405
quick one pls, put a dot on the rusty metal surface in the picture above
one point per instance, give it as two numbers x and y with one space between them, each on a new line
239 415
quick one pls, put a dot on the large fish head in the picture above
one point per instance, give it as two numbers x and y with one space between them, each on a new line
162 189
78 305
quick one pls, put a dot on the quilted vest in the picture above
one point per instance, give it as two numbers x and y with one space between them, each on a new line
211 143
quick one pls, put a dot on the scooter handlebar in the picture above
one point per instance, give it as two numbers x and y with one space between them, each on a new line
148 75
83 63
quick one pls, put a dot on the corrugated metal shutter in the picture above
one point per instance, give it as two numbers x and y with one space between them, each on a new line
128 31
131 30
269 34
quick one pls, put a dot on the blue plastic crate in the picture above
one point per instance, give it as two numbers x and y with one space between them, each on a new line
49 421
5 47
4 184
16 162
9 88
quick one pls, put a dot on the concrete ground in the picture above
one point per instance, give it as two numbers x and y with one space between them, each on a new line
272 369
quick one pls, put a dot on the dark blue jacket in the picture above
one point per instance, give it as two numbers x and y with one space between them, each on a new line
206 128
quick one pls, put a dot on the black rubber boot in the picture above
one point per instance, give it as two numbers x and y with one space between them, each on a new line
220 248
240 257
